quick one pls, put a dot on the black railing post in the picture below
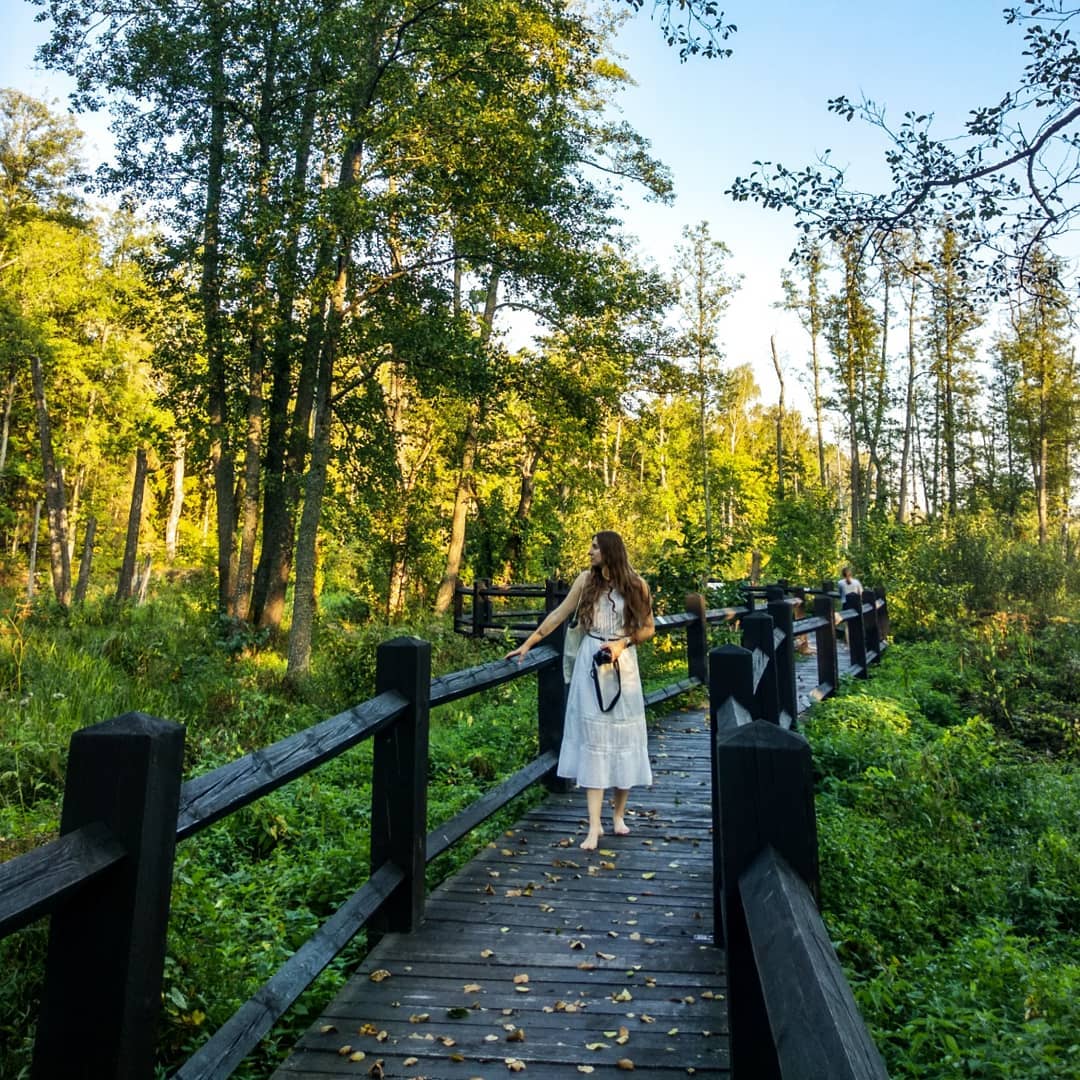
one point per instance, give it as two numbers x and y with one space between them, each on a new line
102 996
477 610
487 609
757 636
459 606
551 708
765 792
731 699
882 617
697 639
399 780
783 617
828 662
870 622
856 633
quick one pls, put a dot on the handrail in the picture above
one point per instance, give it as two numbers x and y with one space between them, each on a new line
33 884
44 881
218 793
816 1025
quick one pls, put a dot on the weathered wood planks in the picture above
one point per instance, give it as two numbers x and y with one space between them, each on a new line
616 945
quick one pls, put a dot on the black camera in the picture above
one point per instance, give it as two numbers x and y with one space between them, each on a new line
602 656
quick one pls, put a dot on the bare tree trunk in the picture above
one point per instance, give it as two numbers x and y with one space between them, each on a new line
221 455
779 420
250 521
86 561
463 495
462 501
142 582
54 493
5 429
34 531
176 506
909 413
131 545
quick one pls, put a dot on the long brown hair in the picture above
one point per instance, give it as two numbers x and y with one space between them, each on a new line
616 572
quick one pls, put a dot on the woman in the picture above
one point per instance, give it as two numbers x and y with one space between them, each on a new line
602 749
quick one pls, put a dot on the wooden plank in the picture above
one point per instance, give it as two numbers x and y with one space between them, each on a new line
622 935
815 1023
213 795
459 684
31 885
232 1042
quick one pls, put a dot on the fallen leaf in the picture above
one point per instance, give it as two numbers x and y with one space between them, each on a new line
486 954
689 999
382 1036
623 1036
419 1018
515 1064
585 1069
489 889
522 989
326 1029
519 979
606 955
446 1040
491 1038
409 1061
517 1035
608 852
575 944
345 1050
605 865
457 1055
471 988
707 995
376 1070
586 966
380 975
457 1013
625 1063
596 1046
645 1018
622 995
631 899
357 1055
648 876
636 935
673 1031
513 892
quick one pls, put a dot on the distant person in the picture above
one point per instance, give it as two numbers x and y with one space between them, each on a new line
848 584
605 743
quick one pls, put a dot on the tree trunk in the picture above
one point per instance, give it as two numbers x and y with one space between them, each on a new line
131 545
54 493
779 420
176 505
909 414
462 501
463 494
304 599
279 498
34 532
5 428
85 563
221 456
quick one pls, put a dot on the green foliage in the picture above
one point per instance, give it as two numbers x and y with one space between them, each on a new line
950 875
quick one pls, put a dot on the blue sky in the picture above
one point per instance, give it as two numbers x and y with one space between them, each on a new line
710 119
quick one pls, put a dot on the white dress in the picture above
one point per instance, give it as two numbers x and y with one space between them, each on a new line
605 749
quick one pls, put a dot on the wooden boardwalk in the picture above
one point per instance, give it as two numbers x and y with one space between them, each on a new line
567 962
541 958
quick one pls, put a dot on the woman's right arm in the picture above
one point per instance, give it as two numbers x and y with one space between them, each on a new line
553 618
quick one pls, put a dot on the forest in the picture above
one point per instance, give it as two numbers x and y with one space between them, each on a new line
353 318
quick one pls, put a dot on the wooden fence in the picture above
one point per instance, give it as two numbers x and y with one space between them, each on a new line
106 882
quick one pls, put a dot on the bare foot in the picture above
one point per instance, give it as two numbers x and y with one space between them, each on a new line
590 841
619 827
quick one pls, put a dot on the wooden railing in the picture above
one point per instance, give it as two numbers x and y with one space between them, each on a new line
791 1013
106 882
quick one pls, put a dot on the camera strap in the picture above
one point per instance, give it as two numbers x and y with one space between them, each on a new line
596 685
